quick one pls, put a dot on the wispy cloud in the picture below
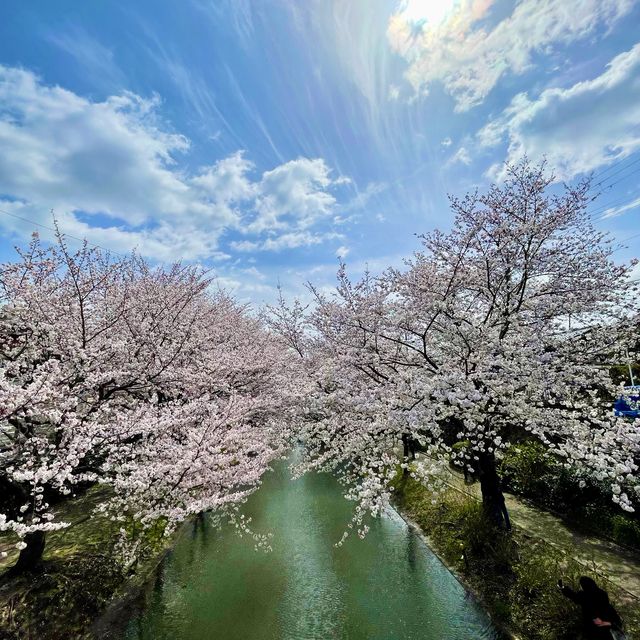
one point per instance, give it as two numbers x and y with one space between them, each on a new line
237 13
362 198
289 240
461 156
96 60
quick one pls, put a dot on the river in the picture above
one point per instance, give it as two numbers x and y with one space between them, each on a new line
214 585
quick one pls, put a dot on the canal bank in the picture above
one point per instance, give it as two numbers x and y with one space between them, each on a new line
502 628
513 575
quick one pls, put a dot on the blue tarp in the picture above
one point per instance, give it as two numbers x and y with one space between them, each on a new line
628 404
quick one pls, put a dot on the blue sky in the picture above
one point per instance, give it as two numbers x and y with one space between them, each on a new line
266 138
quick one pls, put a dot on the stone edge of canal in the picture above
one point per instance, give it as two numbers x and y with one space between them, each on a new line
508 633
113 621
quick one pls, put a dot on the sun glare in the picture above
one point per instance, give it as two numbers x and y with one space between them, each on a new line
432 12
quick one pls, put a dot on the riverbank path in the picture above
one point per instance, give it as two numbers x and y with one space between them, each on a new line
620 564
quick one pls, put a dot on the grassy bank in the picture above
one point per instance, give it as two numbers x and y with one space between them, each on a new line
79 575
514 575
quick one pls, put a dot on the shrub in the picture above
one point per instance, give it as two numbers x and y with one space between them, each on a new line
528 470
625 530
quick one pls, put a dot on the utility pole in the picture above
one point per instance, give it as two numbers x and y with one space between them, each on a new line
633 384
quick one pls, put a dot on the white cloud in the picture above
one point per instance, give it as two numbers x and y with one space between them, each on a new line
117 161
447 142
227 181
289 240
63 150
342 252
461 155
294 193
577 129
462 47
163 242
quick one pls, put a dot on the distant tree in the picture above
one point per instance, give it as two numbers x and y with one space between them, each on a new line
145 379
493 332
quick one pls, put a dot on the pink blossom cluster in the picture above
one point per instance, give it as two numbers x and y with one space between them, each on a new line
147 379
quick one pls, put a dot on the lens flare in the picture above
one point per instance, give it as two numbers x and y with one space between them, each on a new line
431 12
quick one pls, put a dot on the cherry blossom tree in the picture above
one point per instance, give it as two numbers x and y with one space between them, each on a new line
148 380
494 332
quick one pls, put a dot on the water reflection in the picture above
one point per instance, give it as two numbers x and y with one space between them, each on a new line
411 549
214 585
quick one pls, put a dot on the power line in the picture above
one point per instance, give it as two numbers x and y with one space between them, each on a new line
615 173
606 187
612 205
613 184
68 235
599 174
622 246
635 235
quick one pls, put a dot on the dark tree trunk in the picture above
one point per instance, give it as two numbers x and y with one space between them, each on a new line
31 556
408 449
408 446
492 496
405 453
12 495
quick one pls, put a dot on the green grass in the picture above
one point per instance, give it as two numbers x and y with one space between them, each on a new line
86 530
78 577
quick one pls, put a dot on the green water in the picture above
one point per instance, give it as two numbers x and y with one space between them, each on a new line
389 586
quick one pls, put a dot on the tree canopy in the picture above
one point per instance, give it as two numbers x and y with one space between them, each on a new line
493 332
147 379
